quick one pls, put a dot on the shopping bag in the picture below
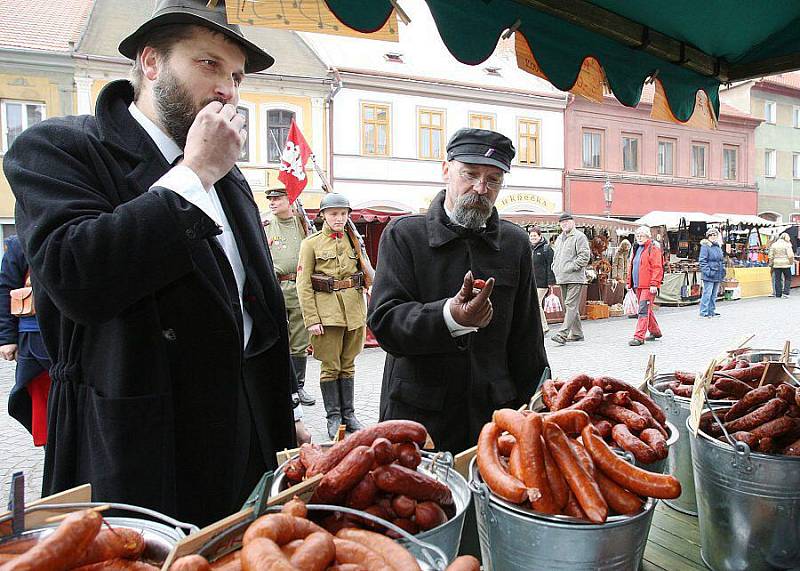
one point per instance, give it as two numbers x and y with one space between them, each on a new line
630 305
685 287
552 304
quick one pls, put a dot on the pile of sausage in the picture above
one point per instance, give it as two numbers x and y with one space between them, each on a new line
288 541
731 380
621 413
767 418
375 470
81 543
553 473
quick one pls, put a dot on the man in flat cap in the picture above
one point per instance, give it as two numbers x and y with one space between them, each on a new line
156 294
458 348
570 259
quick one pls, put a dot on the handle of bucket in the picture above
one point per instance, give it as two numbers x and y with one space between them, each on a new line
671 402
440 461
741 451
728 437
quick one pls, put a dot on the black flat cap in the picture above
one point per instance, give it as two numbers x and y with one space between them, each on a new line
197 12
275 192
481 147
565 216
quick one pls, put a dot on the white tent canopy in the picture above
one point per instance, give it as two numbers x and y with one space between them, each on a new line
749 219
672 220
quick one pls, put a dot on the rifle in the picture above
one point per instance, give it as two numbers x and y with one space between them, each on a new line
350 228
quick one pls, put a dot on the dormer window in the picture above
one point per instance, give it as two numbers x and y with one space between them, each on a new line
492 70
394 57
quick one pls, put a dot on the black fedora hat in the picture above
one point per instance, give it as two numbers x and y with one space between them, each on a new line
198 13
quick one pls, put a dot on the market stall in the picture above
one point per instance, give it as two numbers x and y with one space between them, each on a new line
747 244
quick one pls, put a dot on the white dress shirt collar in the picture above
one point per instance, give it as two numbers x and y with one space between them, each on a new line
165 144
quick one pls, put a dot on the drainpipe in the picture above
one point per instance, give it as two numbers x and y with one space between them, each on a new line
336 86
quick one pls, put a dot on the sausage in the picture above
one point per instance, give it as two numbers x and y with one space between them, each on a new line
549 393
573 508
729 364
347 567
582 456
741 436
116 543
64 547
793 410
680 390
290 548
558 484
632 478
580 482
684 378
397 479
797 396
499 481
279 528
394 430
515 464
733 387
655 440
348 551
429 515
363 494
774 428
766 445
754 397
397 556
618 498
407 454
125 565
623 415
295 507
404 506
766 412
644 412
566 393
626 440
793 449
570 421
190 563
18 546
464 563
404 523
311 453
230 562
611 384
344 476
505 443
316 552
528 432
602 425
619 398
715 393
336 521
383 449
751 373
294 470
590 402
262 553
385 502
379 511
785 392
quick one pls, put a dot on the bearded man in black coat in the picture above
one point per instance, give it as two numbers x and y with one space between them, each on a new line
156 295
456 352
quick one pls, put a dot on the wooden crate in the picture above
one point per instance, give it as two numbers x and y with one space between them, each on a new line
597 310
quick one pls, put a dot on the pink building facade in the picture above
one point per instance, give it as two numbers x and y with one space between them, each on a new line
656 165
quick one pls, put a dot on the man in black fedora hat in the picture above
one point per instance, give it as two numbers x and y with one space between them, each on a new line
457 349
156 293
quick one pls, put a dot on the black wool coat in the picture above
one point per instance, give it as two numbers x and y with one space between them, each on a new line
542 255
453 384
140 315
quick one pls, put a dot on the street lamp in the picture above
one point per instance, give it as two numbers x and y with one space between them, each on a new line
608 195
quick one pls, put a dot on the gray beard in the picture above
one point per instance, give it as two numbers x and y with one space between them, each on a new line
472 211
175 107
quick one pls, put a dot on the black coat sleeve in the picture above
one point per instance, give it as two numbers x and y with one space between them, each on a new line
400 323
551 277
93 256
12 276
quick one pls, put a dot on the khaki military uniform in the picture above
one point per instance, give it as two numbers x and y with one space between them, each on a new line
284 238
342 313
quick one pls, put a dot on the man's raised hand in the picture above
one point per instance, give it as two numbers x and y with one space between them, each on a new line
214 142
471 307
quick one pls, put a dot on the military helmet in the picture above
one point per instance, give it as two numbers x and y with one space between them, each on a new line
334 200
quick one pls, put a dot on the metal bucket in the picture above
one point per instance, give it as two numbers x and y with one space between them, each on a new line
447 536
759 355
513 538
679 461
749 506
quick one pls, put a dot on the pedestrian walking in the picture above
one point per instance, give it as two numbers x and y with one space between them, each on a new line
542 255
330 285
712 269
457 348
21 341
156 294
781 260
645 275
571 257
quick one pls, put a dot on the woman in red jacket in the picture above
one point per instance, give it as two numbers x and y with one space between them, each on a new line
645 274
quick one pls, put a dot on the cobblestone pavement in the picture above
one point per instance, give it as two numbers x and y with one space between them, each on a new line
689 342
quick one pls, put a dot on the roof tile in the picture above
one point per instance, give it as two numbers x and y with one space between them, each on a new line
38 25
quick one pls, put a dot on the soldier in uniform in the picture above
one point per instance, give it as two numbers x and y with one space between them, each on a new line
330 286
285 231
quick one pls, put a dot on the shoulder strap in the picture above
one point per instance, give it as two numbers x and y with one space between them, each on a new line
28 278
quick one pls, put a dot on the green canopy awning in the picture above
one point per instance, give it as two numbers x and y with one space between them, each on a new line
689 45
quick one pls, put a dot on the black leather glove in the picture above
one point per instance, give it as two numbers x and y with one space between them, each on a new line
471 307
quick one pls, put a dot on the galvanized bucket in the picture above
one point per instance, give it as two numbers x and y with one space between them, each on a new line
513 538
679 461
447 536
759 355
748 504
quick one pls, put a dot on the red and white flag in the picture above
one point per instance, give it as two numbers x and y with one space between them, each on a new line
293 163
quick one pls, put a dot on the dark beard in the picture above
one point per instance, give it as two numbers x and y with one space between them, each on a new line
175 107
472 211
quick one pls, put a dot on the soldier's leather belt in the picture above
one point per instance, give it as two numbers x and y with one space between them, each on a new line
287 277
321 282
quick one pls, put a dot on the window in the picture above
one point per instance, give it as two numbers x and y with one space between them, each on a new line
769 162
796 117
375 129
699 160
592 149
796 165
16 116
480 121
630 153
431 134
666 152
278 123
730 156
394 57
244 157
769 112
528 141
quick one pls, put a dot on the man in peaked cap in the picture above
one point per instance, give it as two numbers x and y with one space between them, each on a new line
156 294
457 349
